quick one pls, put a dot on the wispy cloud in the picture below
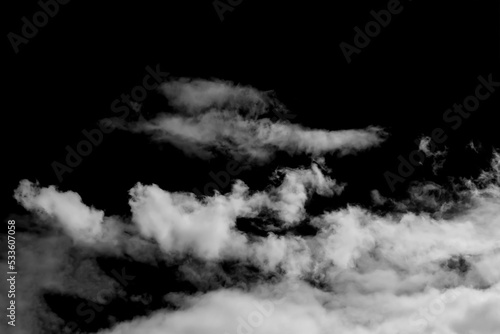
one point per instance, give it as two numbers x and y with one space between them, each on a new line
217 116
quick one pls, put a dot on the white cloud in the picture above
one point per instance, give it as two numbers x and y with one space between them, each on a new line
303 309
241 122
84 224
182 223
362 273
296 188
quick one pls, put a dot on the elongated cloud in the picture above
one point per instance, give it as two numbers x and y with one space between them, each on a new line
216 116
309 310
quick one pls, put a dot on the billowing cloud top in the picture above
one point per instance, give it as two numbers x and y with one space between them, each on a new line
242 122
83 223
360 273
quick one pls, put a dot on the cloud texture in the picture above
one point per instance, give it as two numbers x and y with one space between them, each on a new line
362 272
216 116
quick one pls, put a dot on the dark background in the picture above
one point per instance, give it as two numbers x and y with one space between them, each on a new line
64 80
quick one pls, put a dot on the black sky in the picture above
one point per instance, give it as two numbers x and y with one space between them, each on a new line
65 78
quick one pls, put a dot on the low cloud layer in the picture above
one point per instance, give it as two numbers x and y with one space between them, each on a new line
362 272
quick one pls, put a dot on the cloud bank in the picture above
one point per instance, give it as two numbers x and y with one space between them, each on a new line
362 272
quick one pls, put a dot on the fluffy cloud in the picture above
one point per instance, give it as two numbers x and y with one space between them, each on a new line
296 188
84 224
180 222
395 272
